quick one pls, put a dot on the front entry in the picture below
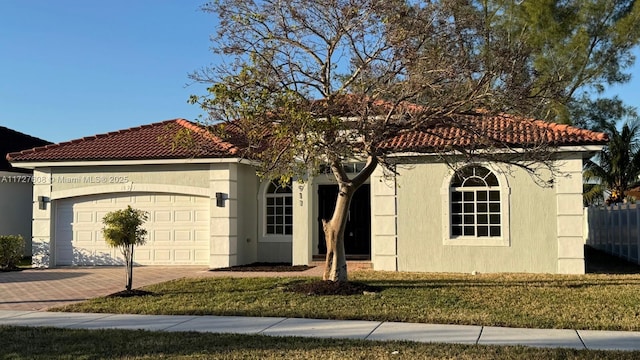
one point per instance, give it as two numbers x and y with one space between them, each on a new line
357 236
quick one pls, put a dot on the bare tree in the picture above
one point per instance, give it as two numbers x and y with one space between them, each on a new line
331 81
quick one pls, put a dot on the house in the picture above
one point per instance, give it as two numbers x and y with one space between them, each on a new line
15 187
207 206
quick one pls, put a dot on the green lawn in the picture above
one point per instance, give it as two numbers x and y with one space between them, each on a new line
48 343
610 302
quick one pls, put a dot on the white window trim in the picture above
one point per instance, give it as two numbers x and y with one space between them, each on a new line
505 204
262 210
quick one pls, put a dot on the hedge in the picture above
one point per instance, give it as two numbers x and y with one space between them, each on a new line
11 251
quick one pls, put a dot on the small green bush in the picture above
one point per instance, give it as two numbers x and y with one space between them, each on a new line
11 251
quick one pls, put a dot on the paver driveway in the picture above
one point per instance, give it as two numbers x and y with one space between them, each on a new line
35 289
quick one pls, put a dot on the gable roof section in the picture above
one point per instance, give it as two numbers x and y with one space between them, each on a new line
11 140
170 139
478 132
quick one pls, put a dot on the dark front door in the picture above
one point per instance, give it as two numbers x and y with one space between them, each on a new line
357 236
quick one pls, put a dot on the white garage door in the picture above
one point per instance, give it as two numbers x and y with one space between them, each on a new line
178 229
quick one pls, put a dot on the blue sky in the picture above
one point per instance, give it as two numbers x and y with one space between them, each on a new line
74 68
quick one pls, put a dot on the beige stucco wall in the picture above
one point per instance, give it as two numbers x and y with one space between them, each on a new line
533 232
194 175
303 222
247 215
16 206
42 226
570 216
276 252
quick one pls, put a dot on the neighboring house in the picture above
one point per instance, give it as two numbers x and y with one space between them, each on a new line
15 187
209 208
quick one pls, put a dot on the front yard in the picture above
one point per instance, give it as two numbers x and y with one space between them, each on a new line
594 301
598 302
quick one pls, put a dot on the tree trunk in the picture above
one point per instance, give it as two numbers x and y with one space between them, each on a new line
335 267
129 269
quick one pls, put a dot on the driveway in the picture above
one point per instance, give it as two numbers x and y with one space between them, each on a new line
36 289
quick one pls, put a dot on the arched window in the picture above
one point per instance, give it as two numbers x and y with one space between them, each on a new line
476 210
279 210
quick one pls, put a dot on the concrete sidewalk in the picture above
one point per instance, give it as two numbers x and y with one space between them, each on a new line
368 330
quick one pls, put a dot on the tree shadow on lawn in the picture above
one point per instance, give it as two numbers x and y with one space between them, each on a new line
596 262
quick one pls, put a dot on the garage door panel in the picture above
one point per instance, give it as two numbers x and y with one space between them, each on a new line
201 215
183 200
143 255
201 236
177 229
84 216
84 237
124 200
201 255
100 215
183 215
163 199
160 236
162 255
161 216
183 255
182 236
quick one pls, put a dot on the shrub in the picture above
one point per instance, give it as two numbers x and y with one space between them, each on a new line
123 229
11 251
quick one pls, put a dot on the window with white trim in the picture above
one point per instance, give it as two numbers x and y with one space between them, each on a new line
476 209
279 209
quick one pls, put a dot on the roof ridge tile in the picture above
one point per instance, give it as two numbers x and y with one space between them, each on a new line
208 134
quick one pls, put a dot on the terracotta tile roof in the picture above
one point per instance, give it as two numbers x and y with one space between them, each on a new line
11 140
156 141
477 132
153 141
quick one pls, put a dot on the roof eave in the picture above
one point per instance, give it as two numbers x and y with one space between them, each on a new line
137 162
588 150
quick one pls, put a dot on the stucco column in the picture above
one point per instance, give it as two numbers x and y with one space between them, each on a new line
223 183
43 254
570 217
383 222
302 239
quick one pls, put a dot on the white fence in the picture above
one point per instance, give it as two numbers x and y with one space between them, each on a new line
615 230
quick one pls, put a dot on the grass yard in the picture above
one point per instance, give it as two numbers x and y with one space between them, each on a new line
47 343
599 302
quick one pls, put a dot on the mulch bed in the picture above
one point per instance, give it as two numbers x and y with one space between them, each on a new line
332 288
266 267
130 293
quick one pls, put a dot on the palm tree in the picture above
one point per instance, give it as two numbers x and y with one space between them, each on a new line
616 167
